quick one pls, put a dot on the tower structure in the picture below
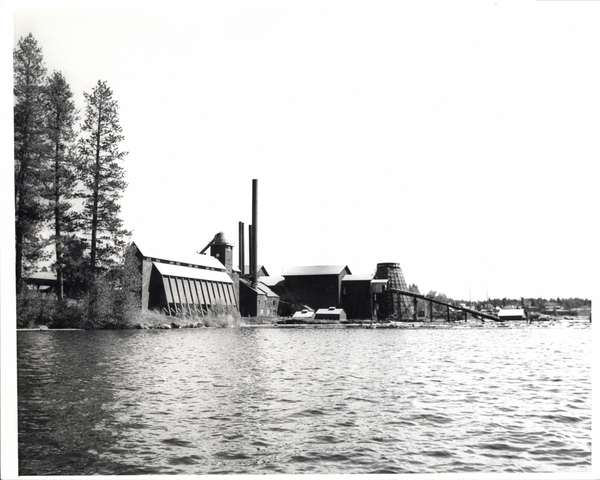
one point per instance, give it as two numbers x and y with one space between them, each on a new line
222 249
395 306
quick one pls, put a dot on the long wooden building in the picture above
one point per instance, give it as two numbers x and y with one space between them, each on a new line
176 283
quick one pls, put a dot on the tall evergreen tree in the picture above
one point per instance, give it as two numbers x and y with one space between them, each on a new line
61 117
30 152
103 177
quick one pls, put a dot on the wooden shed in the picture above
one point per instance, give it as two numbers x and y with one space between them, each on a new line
330 313
512 314
304 315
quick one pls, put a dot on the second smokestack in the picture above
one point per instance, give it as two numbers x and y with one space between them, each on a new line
241 249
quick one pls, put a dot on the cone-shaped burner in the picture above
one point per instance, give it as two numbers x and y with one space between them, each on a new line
396 307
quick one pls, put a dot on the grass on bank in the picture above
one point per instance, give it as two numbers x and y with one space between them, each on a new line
154 319
110 309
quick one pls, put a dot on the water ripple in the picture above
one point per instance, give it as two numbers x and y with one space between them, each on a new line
256 401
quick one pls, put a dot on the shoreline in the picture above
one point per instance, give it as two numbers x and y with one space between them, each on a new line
574 322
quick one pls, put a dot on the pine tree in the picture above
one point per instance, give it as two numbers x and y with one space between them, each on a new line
103 177
30 151
61 117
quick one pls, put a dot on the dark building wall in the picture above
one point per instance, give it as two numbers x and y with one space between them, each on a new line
316 291
248 301
251 301
356 299
156 291
223 253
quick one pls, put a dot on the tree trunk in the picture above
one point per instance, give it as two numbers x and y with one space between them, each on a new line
57 239
95 195
19 207
18 256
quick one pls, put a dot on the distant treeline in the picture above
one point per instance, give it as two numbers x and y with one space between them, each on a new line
69 179
537 303
534 303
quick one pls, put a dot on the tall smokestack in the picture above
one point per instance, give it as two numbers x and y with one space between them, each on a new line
254 240
250 250
241 259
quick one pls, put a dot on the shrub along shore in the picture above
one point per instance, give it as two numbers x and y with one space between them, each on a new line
111 310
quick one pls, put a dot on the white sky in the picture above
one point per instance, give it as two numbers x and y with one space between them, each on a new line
458 139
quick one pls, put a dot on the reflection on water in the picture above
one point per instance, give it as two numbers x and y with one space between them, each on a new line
266 400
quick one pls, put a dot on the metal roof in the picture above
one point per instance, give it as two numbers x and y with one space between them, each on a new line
511 312
361 277
316 270
171 253
260 288
221 239
42 276
258 269
271 281
324 313
166 269
270 293
304 314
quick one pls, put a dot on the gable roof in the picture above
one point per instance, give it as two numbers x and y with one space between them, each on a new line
258 269
168 253
271 281
51 276
270 293
316 270
260 288
305 314
181 271
330 310
361 277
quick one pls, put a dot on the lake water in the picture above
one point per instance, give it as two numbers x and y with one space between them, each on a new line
304 401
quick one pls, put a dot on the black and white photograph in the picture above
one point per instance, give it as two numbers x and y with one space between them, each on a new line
299 238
